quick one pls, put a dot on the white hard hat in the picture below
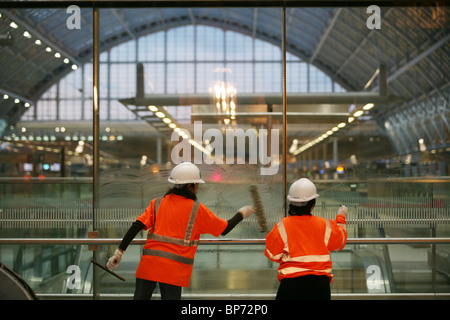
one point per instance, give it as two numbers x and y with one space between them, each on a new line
185 173
302 190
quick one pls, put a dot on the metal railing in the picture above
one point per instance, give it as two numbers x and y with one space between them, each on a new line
356 296
111 241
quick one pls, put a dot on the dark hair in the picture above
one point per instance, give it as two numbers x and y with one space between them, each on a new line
183 191
298 211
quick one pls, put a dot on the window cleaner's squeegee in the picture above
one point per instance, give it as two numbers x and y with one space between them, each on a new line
107 270
259 209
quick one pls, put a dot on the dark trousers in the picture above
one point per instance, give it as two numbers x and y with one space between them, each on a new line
309 287
144 290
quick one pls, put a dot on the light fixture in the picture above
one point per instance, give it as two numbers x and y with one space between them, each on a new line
13 25
152 108
368 106
223 96
358 113
160 114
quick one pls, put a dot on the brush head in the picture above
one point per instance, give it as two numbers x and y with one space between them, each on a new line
259 209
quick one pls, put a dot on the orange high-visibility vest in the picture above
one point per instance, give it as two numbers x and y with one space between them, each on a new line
302 245
168 255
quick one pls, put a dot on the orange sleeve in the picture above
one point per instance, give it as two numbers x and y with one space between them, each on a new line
338 237
207 222
274 245
147 217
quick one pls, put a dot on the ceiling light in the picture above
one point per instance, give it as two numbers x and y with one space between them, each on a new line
13 25
57 55
152 108
160 114
342 124
350 119
74 67
26 34
66 60
38 42
368 106
358 113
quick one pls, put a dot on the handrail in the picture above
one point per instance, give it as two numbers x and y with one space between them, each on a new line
253 296
111 241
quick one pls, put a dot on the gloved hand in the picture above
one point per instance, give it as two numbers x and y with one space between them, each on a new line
114 261
343 210
246 211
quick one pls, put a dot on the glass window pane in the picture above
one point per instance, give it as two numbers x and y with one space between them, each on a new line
152 47
180 44
210 43
217 73
122 80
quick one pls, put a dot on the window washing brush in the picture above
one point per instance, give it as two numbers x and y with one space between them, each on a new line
259 209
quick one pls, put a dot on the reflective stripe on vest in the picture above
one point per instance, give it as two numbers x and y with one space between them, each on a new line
344 238
168 255
286 257
295 270
186 242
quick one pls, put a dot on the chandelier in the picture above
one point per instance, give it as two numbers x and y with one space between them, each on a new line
223 95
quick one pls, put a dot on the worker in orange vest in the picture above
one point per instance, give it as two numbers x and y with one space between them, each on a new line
301 243
174 223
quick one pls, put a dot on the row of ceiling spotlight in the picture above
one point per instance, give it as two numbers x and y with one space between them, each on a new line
39 42
16 100
355 114
162 114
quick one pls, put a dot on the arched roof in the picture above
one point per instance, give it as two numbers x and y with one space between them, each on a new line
412 43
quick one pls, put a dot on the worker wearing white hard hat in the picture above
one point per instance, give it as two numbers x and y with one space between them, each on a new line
185 173
174 223
301 243
302 191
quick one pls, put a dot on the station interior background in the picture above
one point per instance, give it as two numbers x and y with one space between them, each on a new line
96 102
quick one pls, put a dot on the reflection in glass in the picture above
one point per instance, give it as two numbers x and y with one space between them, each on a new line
388 164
